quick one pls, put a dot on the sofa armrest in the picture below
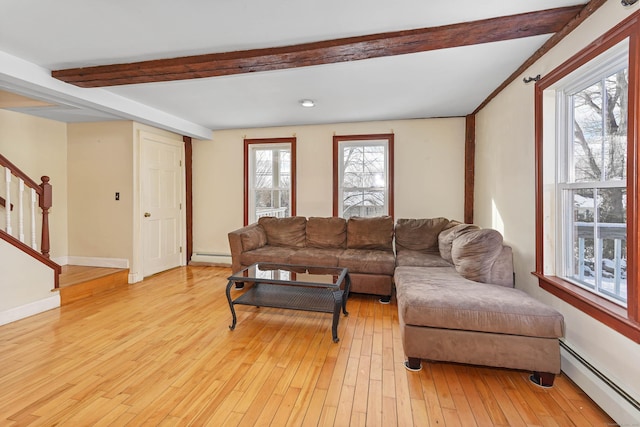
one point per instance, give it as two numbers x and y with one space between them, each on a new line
245 239
502 270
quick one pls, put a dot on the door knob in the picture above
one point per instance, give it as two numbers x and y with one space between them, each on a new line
147 214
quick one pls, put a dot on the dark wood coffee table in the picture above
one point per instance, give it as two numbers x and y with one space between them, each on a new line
296 287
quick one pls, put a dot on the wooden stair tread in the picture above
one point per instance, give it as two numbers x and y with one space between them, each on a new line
79 282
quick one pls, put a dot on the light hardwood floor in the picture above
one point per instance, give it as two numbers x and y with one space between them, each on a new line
160 353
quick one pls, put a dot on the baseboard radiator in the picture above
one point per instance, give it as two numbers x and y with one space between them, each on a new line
602 377
212 259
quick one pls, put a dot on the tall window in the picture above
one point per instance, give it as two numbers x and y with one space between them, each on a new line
363 175
587 222
269 178
592 185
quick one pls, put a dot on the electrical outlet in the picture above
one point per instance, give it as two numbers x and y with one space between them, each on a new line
117 196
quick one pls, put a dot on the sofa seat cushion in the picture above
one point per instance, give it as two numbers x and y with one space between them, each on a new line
368 261
316 256
267 253
440 298
420 259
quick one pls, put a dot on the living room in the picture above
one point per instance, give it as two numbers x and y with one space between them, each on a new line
429 182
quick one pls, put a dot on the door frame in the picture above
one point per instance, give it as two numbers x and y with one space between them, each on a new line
136 272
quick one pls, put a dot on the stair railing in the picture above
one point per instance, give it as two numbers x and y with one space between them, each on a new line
17 183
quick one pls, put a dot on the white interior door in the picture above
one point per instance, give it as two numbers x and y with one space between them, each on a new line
162 193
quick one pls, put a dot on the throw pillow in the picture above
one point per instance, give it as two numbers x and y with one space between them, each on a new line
475 252
446 237
253 238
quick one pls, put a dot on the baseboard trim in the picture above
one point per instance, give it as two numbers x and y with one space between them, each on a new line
135 278
30 309
222 260
97 262
608 394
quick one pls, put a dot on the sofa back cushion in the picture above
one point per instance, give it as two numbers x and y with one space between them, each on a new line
419 234
370 233
328 232
447 236
287 232
475 252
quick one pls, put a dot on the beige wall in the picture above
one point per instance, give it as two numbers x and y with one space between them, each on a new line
100 164
24 280
505 197
429 173
39 147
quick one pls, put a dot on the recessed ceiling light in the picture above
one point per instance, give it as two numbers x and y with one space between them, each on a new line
308 103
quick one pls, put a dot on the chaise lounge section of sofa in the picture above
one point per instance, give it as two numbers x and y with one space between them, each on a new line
456 301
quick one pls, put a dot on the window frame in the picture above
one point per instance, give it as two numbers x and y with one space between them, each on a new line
625 321
254 142
337 140
610 63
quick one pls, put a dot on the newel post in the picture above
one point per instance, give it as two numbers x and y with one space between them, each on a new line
45 204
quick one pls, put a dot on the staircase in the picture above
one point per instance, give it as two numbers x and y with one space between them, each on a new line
79 282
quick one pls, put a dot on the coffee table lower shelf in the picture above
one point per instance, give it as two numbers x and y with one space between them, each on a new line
291 297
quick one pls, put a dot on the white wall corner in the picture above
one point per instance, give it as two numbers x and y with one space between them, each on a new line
30 309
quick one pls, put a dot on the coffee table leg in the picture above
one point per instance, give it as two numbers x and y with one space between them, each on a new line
337 304
345 295
233 311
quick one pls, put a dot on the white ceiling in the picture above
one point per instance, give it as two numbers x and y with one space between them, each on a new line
38 36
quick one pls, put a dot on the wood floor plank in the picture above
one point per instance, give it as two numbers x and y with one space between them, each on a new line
420 413
314 413
511 413
432 396
460 401
403 397
491 404
160 352
471 394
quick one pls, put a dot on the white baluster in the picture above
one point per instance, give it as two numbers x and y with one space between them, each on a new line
21 211
7 175
34 245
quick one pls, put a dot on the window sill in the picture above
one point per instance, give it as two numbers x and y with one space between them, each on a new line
597 307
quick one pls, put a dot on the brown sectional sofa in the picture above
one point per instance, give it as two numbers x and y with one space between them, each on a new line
456 301
454 285
363 245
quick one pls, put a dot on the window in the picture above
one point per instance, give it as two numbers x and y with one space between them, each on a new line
587 179
363 175
592 177
269 178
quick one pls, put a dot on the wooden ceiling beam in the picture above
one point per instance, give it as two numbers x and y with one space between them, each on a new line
323 52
